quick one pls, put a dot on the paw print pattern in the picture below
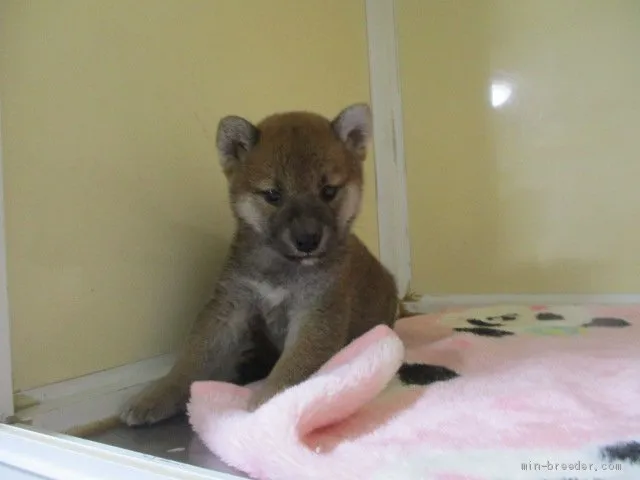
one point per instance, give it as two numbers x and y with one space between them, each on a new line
610 322
626 452
423 374
551 323
484 331
546 316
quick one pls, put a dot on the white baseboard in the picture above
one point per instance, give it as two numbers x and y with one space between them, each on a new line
76 403
432 303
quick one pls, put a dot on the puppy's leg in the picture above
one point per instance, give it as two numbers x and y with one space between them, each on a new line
261 357
214 349
313 338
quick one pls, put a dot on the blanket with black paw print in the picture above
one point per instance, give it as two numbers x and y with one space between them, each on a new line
504 392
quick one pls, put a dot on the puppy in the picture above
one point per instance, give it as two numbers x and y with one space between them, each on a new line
297 285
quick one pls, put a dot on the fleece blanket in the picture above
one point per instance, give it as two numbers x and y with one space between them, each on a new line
506 392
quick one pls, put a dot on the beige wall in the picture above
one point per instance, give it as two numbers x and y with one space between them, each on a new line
541 194
116 209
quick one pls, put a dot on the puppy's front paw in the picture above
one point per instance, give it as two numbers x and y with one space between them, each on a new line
157 402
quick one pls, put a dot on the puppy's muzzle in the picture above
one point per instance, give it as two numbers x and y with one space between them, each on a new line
306 235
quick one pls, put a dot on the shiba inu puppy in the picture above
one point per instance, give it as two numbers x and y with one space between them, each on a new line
297 285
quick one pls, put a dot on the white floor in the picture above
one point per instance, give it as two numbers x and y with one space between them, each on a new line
171 440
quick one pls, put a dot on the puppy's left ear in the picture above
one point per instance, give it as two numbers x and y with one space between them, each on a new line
353 126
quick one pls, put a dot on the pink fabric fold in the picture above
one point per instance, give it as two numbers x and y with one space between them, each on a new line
555 384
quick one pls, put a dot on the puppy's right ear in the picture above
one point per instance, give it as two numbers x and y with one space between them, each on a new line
235 139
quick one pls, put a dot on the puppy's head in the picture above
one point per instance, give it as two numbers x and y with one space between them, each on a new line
296 178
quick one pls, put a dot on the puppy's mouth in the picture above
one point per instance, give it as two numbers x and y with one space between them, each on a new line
307 259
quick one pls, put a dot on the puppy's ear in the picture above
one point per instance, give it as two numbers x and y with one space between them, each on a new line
353 126
235 139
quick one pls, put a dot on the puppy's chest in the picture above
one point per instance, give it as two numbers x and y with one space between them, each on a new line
281 305
269 297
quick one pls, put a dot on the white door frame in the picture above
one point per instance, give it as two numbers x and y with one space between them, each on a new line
388 141
6 382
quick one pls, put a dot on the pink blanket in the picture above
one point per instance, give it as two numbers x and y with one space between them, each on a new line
505 392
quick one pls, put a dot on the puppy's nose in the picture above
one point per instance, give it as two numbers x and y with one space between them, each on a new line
307 242
306 234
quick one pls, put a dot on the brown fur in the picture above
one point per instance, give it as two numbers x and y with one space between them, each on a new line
281 301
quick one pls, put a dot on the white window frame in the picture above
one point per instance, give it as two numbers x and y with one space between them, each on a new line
388 142
6 382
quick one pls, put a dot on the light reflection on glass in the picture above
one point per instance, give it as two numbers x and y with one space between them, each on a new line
500 94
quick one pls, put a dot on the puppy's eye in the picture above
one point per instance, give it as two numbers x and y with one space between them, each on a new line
328 192
272 196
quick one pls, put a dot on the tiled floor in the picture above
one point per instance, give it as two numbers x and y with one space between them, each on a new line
173 440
